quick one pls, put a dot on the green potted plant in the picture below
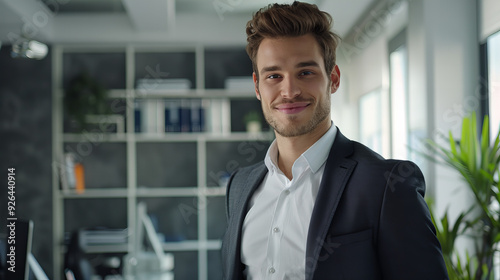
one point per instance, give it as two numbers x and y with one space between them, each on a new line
477 160
253 121
83 97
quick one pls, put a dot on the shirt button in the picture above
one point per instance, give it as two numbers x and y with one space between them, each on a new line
271 270
287 192
276 229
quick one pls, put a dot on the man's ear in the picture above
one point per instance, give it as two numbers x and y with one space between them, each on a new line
335 78
256 83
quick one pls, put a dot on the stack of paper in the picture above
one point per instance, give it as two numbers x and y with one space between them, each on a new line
155 86
93 237
240 84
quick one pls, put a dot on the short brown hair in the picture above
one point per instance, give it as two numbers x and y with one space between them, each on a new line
292 20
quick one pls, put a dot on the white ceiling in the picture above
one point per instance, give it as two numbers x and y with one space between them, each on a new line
149 21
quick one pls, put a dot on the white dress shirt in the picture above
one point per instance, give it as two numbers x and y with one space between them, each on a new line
274 233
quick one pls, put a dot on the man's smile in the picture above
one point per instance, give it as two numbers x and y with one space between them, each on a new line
292 108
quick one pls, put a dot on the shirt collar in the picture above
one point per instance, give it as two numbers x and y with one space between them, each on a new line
271 158
315 156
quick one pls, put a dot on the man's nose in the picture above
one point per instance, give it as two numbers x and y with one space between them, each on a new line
290 88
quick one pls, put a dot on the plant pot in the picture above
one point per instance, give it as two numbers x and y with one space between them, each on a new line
254 127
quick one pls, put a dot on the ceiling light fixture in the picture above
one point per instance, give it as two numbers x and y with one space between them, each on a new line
27 48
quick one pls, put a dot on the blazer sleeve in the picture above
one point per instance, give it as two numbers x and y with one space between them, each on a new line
407 242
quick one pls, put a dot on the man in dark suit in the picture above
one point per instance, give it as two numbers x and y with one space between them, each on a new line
320 206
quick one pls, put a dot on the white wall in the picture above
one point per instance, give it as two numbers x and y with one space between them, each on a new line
444 75
443 50
364 63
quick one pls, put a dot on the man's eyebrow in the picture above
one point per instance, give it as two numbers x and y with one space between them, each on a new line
298 65
270 69
306 64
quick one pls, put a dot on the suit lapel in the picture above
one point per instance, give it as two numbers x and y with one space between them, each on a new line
337 172
254 180
238 216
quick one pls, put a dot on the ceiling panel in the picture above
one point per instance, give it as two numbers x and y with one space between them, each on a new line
86 6
184 21
237 6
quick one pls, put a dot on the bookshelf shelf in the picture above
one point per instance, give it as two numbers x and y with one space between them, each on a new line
94 137
167 192
178 175
95 193
204 136
180 192
196 93
192 245
190 93
97 137
118 93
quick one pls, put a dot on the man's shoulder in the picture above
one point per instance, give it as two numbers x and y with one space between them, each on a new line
362 152
367 156
368 159
344 147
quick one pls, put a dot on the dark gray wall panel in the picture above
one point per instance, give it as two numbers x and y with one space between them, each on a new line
25 144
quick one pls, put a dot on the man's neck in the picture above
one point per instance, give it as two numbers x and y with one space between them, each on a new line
290 148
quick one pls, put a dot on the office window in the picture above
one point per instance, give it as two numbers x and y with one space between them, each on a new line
399 103
493 70
493 45
370 120
398 63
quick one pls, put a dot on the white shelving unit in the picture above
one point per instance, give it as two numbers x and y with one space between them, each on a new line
201 192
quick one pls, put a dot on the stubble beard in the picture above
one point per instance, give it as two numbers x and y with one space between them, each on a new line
290 129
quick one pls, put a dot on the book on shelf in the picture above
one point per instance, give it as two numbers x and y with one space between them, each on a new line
65 169
172 121
79 178
159 115
137 116
170 115
185 115
197 116
149 115
72 174
218 116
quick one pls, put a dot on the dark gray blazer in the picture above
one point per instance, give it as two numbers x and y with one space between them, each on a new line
370 220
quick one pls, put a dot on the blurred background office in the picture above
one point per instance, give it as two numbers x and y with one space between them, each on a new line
108 105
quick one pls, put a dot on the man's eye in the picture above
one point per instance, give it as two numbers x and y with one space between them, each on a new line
305 73
274 76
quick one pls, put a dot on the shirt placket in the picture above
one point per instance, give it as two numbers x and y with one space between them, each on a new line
277 230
